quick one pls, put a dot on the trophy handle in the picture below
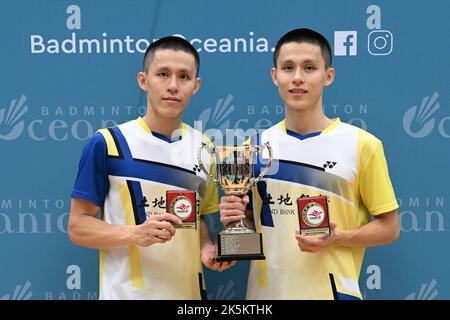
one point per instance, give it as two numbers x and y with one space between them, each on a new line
200 162
269 162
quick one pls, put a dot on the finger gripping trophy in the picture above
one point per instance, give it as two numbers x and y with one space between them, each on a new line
235 175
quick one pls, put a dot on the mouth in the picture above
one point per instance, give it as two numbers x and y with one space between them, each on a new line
171 99
298 91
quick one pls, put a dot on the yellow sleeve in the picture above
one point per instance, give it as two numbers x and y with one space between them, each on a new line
375 185
110 143
210 202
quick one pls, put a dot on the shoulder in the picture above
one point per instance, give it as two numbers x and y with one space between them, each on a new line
106 138
273 132
368 143
365 138
369 147
98 140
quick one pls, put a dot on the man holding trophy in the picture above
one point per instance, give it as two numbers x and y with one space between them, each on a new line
235 176
142 174
328 195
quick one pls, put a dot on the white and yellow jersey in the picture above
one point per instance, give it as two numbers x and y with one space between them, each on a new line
347 165
127 170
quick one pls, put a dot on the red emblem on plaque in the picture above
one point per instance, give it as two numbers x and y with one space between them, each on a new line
313 215
183 204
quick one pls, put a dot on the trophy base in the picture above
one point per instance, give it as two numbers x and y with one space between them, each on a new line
240 257
239 244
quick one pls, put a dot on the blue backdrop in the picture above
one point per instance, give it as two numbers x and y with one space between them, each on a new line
69 68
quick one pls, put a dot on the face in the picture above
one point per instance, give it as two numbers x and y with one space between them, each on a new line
301 76
170 81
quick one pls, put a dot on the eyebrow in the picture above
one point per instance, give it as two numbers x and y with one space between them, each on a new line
308 60
165 67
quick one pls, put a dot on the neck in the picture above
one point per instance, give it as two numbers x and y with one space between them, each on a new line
163 126
306 121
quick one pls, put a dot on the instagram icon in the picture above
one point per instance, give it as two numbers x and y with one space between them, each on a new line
380 42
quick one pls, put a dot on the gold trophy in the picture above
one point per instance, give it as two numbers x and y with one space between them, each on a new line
235 175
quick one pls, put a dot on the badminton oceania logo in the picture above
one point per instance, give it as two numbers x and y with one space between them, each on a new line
427 291
218 117
11 123
21 292
419 122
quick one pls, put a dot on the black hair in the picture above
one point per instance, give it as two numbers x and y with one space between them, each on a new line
305 35
172 43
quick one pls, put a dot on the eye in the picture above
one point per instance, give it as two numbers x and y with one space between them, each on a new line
163 74
185 76
310 68
287 68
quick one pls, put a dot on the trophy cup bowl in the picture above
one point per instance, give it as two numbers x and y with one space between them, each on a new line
235 176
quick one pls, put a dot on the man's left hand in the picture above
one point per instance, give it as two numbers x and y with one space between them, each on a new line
316 244
209 253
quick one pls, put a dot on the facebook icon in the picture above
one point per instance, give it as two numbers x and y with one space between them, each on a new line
345 43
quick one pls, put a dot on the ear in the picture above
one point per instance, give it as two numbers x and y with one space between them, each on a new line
329 78
142 81
273 73
198 82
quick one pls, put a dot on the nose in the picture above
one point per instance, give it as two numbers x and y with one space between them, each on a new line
298 76
172 86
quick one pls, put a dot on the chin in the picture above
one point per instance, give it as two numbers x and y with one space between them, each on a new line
172 114
297 107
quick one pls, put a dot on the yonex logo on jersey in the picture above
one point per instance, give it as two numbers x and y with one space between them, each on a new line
196 169
329 164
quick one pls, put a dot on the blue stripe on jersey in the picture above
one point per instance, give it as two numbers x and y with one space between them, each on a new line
297 172
164 138
343 296
119 151
265 213
309 175
121 143
138 200
302 136
157 172
153 171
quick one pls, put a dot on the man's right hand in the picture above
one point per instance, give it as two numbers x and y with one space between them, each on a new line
156 229
232 209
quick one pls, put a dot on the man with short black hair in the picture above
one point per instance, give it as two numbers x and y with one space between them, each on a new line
314 156
126 170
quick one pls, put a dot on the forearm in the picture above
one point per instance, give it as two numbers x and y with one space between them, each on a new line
88 231
375 233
